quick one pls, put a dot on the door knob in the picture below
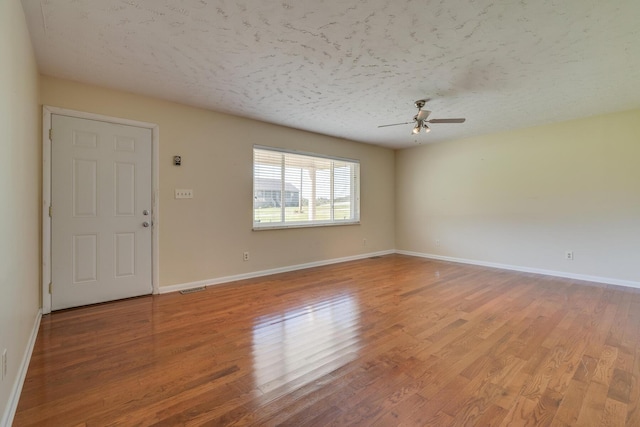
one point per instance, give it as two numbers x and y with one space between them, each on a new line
145 224
145 212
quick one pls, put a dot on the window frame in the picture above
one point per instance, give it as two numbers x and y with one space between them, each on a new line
283 224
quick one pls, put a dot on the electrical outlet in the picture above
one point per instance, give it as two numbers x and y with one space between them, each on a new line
245 256
364 242
437 242
184 193
4 363
568 255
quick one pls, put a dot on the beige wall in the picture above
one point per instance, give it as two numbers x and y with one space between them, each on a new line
204 238
523 198
19 192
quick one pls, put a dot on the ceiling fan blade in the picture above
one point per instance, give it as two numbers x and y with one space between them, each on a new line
395 124
423 114
446 120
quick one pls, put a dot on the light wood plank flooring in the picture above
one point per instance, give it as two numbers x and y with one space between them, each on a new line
387 341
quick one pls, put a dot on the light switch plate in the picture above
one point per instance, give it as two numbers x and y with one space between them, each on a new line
184 193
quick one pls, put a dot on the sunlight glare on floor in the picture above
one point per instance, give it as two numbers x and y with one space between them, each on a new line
293 348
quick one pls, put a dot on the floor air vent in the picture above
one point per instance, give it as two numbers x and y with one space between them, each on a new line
192 290
375 257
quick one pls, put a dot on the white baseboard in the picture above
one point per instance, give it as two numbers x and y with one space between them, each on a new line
226 279
598 279
14 396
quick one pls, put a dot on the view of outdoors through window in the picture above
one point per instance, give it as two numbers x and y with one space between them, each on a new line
296 190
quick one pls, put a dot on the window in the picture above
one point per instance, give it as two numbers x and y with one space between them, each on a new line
292 189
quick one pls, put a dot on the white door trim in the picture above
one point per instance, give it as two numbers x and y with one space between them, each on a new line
47 111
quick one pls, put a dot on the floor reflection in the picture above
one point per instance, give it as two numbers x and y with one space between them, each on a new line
296 347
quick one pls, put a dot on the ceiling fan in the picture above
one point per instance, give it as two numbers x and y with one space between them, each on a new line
421 121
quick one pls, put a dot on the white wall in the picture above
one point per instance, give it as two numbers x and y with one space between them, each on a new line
204 238
19 192
523 198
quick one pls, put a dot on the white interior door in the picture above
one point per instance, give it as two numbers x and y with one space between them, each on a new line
101 211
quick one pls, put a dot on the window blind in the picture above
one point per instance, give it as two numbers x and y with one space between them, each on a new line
293 189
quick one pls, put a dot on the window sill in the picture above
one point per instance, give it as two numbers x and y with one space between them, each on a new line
283 227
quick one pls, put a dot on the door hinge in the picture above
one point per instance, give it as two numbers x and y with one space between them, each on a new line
50 211
51 134
51 287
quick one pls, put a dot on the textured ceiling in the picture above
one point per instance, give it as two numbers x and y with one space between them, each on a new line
343 67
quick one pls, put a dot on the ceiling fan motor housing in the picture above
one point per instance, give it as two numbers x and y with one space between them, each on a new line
420 103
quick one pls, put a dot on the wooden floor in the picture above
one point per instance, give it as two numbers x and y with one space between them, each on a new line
388 341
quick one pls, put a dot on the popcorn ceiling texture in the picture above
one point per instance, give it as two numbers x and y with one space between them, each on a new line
343 67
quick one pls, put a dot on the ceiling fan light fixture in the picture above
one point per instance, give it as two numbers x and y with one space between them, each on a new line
427 129
416 129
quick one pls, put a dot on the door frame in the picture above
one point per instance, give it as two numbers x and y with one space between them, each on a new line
47 112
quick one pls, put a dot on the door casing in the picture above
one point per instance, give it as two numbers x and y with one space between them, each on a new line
47 111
